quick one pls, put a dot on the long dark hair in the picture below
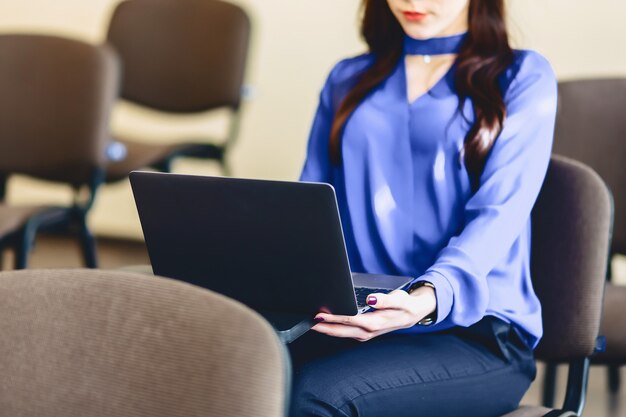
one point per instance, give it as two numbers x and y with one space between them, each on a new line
483 57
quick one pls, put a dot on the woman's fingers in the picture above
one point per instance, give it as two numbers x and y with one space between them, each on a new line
341 330
372 321
367 321
393 311
346 331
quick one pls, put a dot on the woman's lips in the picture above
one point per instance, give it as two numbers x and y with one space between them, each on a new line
414 16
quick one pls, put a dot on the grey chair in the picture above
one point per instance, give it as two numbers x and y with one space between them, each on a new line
95 343
180 57
591 128
571 224
56 96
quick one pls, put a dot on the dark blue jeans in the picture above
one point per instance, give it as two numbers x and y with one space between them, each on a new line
480 371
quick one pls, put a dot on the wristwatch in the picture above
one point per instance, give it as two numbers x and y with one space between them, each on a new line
432 317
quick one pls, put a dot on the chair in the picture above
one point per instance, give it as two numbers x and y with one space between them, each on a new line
96 343
591 128
179 57
56 95
571 224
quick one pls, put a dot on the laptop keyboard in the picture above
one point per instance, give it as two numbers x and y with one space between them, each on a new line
363 292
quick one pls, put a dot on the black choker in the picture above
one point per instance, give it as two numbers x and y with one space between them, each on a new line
433 46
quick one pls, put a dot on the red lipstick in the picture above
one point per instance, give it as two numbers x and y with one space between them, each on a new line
414 16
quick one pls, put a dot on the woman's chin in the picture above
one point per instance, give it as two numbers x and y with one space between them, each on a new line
421 32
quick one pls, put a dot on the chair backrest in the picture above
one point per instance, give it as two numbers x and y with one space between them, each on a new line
56 96
571 224
591 128
95 343
181 55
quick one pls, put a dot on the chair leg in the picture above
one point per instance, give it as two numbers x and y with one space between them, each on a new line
549 385
576 391
613 378
24 245
21 257
88 244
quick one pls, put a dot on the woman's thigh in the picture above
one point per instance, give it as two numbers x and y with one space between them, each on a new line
406 375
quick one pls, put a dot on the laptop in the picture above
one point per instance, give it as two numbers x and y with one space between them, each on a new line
275 246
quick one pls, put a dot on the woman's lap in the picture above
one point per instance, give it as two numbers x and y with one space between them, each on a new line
440 374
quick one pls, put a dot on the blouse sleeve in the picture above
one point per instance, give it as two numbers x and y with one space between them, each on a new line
317 166
496 214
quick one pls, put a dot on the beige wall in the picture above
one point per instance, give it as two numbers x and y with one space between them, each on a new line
295 44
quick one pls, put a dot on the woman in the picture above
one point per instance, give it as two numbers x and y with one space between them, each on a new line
437 142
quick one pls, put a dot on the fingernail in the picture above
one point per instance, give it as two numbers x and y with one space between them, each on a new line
371 300
318 319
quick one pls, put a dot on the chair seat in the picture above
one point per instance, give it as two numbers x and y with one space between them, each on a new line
13 218
139 155
613 327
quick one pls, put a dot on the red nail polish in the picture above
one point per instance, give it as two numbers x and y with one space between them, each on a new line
371 300
318 319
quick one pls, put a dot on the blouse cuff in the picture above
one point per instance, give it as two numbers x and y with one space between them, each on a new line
443 293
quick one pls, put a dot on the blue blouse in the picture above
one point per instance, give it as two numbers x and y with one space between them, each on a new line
405 198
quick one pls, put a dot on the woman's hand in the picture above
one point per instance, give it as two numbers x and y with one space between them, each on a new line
394 311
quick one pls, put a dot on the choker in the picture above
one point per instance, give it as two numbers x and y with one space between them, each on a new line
433 46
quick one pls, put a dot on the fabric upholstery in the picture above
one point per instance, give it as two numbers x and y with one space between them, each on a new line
87 343
181 56
591 128
56 99
571 224
56 96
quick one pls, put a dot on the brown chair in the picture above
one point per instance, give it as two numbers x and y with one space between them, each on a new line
94 343
571 224
180 57
591 128
56 96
